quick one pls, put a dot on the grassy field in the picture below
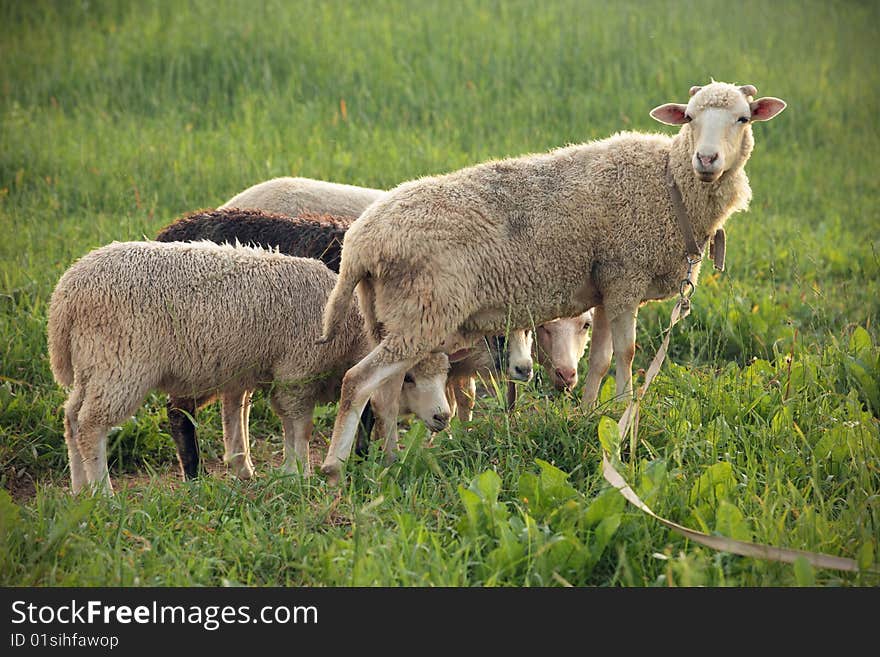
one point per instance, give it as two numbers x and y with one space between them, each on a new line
116 117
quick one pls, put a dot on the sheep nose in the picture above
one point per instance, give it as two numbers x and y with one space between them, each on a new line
441 419
568 376
523 372
706 160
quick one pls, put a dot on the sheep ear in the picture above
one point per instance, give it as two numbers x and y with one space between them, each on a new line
766 108
670 114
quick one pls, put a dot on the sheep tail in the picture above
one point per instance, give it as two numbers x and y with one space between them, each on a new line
58 330
339 300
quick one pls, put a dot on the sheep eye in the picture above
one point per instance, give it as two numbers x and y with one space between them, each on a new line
688 118
408 378
587 326
743 119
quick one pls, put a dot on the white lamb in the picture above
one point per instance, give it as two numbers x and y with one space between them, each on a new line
196 320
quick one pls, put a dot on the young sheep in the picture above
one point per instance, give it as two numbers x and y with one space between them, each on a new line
294 196
307 235
560 346
540 236
195 320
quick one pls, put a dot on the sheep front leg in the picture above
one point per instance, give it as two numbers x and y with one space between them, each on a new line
295 407
297 435
358 385
450 395
92 443
623 339
464 395
386 404
237 449
468 399
600 357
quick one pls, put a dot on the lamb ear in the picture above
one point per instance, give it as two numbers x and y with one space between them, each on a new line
670 114
766 108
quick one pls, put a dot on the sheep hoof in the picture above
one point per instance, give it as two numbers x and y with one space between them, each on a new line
243 470
293 467
589 402
331 471
102 487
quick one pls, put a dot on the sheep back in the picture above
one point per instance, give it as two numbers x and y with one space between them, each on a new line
292 196
541 236
308 235
190 317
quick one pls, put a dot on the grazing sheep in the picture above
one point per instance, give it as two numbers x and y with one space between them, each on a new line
195 320
541 236
307 235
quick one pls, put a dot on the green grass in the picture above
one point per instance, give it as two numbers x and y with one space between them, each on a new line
116 117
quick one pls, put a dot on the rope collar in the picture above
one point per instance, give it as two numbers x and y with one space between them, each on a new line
694 253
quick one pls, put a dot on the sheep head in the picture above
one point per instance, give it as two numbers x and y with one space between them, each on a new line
719 117
561 345
424 391
519 355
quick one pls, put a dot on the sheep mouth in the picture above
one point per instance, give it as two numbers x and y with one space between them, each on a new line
562 386
435 425
708 176
516 376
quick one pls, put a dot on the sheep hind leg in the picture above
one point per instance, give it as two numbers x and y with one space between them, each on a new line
105 404
93 421
71 431
235 436
358 385
600 357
